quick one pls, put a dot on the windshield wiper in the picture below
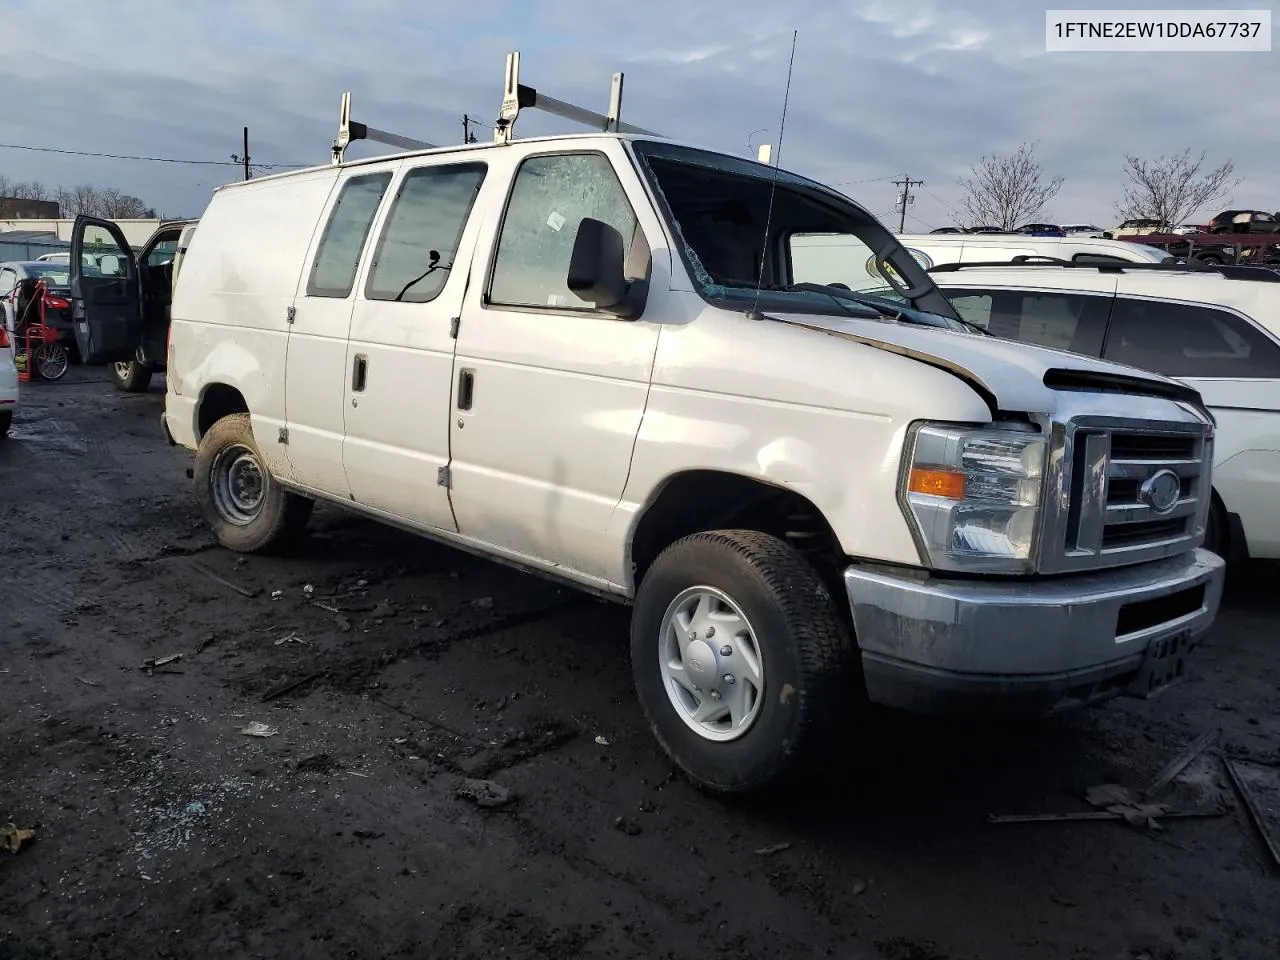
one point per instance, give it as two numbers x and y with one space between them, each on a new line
884 309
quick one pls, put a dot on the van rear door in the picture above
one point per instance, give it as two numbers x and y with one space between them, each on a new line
106 305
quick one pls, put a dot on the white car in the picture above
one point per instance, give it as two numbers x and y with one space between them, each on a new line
8 378
1216 329
1083 230
834 259
931 249
557 352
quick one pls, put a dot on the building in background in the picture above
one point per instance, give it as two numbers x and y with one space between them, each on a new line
24 238
18 208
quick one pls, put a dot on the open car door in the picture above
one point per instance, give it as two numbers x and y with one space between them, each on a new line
106 305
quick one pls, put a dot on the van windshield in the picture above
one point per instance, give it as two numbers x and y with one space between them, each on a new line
810 250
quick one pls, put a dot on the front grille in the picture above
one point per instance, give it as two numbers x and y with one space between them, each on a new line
1129 492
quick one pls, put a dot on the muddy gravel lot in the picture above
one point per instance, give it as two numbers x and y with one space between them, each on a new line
390 672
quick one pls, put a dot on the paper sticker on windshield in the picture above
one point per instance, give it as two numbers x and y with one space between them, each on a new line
555 221
920 257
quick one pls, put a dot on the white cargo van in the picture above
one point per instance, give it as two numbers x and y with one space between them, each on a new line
592 357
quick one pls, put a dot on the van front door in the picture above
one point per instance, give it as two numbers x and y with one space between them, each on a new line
106 302
549 393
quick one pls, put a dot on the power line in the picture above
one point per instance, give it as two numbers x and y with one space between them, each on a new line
946 206
123 156
852 183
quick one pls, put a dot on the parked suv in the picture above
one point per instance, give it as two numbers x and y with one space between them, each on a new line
563 353
129 303
1216 329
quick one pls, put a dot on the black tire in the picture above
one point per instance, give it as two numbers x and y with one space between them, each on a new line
811 674
131 377
6 421
280 514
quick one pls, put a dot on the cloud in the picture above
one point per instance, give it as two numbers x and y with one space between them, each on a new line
880 88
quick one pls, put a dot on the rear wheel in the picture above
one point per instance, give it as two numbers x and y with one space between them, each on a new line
131 376
744 667
248 510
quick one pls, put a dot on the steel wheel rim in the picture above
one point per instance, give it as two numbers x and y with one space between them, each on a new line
237 484
122 370
711 664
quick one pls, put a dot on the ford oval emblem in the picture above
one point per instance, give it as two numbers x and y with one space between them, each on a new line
1160 491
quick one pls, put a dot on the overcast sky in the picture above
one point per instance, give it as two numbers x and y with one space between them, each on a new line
881 88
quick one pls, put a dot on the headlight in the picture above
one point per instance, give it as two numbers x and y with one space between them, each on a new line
973 495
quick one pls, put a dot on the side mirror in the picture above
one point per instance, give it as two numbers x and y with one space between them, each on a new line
597 270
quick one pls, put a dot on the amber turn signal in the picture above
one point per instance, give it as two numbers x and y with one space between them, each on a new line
935 482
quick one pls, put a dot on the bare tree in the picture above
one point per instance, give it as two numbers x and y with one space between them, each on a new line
115 205
31 190
1171 189
1007 191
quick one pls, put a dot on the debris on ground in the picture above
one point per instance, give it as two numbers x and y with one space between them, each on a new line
292 638
485 793
602 741
248 592
484 603
772 849
1259 789
258 729
293 685
88 683
1115 801
1178 764
156 663
12 838
277 594
626 825
308 590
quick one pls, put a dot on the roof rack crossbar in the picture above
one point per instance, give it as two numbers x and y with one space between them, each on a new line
516 96
349 130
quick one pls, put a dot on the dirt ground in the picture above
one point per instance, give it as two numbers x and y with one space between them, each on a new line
393 670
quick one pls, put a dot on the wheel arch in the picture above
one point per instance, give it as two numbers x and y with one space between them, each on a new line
217 400
701 500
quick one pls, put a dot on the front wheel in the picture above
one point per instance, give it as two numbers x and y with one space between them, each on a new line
248 510
131 376
742 663
6 421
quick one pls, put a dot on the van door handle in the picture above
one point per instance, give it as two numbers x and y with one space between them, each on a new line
466 388
359 373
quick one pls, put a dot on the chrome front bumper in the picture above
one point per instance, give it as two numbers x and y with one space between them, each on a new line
1030 646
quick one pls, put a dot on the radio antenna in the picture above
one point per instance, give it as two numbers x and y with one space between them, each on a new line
755 313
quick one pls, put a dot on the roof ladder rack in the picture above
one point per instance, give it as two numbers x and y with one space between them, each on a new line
349 130
516 97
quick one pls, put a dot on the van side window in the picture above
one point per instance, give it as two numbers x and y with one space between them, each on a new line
1186 340
549 198
333 273
420 239
1074 322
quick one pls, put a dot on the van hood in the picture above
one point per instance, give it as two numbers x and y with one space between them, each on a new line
1011 376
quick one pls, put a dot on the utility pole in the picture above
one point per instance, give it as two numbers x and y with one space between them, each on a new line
905 198
467 135
246 153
